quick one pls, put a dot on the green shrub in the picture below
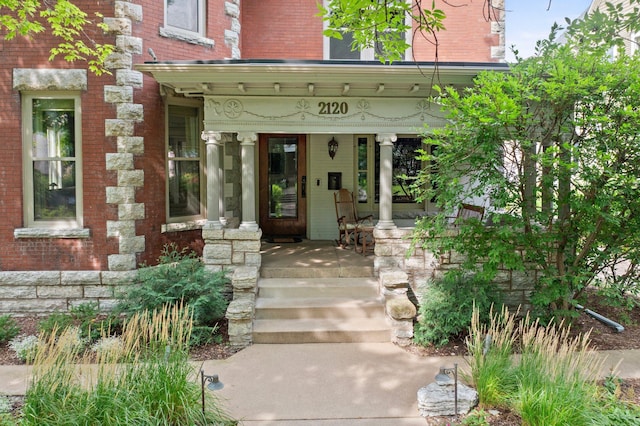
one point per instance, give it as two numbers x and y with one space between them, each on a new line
25 347
180 277
85 316
8 328
446 307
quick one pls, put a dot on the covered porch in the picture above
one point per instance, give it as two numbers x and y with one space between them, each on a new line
248 106
265 118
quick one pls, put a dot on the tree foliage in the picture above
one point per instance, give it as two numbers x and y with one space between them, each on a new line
62 19
553 146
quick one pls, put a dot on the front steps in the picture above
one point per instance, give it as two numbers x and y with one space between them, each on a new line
319 310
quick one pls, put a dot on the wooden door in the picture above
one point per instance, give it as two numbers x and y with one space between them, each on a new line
283 185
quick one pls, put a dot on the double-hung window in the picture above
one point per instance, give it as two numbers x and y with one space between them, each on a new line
184 164
185 15
52 161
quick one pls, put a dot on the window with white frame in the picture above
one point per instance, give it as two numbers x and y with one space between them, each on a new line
52 157
635 44
341 49
405 163
185 15
184 164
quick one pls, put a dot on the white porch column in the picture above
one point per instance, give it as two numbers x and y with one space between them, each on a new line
386 141
212 141
247 144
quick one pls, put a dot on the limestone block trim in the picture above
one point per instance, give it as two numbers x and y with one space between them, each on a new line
49 79
187 37
183 226
44 292
25 233
128 144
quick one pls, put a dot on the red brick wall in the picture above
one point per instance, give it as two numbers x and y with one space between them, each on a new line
276 29
273 29
92 253
53 254
153 128
467 36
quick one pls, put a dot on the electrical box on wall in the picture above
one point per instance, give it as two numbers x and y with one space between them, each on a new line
334 180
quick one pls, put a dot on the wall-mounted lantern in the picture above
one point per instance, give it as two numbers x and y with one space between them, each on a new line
333 147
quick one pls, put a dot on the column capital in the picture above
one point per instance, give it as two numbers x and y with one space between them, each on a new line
386 138
247 137
209 136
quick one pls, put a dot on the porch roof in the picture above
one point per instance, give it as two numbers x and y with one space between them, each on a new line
284 78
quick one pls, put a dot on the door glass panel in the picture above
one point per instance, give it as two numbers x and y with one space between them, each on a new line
363 170
283 177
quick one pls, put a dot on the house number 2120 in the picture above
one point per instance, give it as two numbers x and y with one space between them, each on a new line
333 108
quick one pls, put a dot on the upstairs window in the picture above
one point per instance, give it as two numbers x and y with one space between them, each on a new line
53 169
341 49
185 15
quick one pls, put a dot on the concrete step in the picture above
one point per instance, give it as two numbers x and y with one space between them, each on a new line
318 307
321 272
338 330
314 310
357 288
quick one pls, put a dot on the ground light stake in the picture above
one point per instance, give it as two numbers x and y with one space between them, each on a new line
214 384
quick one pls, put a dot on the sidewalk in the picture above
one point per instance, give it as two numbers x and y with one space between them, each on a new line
326 384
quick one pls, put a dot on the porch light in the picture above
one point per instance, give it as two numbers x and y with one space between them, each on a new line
443 378
214 384
333 147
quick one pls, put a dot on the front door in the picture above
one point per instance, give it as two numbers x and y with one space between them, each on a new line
283 185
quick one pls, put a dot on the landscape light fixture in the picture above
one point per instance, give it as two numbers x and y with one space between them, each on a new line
333 147
444 377
214 384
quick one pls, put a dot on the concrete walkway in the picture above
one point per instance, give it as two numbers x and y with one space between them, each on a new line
326 384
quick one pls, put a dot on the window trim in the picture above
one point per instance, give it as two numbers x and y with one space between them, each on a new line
187 34
27 98
190 222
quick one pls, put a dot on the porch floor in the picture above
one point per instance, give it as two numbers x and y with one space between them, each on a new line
319 259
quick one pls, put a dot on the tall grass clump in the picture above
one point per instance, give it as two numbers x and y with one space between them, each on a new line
552 380
490 347
557 376
146 379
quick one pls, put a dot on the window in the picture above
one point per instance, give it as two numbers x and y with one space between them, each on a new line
53 169
405 164
184 164
185 15
635 44
340 49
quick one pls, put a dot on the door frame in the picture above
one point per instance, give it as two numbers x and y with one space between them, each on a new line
283 226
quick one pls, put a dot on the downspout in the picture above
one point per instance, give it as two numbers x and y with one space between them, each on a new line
619 328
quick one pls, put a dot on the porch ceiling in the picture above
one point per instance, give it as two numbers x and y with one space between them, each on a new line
311 78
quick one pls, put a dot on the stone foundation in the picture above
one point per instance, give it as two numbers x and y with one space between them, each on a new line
236 251
44 292
422 267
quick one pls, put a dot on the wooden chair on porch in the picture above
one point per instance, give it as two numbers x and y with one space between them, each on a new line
347 215
469 211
